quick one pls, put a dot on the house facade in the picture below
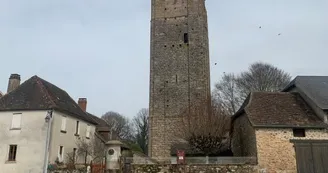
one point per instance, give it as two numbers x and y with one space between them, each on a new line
282 131
39 124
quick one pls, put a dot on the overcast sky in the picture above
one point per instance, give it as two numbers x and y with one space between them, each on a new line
99 49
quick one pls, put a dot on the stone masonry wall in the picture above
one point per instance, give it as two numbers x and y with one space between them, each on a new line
276 153
243 142
195 169
165 130
179 66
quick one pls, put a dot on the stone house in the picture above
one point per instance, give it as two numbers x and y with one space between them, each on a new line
39 124
282 131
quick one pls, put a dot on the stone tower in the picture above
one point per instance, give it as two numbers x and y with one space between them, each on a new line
179 67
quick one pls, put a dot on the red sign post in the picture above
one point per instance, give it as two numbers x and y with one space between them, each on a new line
181 157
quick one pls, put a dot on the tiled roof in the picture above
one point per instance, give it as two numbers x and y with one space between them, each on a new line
278 109
315 87
38 94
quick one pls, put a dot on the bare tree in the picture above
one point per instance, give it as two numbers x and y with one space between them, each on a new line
121 125
141 124
226 93
262 77
90 149
205 127
232 89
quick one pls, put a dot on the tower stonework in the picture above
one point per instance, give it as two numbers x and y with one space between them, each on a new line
179 68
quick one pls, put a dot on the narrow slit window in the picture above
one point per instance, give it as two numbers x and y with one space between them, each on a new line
185 38
12 153
176 78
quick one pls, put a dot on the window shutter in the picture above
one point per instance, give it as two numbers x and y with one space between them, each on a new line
16 121
88 132
63 126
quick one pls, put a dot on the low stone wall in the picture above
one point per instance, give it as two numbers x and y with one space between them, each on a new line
203 168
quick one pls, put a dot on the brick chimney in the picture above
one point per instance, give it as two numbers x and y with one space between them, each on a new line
83 104
14 82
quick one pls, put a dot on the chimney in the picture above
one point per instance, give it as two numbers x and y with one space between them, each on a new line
83 104
14 82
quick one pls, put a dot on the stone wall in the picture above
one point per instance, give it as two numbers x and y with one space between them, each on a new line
243 142
164 133
276 153
195 168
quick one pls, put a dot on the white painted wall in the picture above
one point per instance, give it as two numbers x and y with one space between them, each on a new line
30 140
68 139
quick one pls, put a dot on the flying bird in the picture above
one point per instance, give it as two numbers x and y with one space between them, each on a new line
260 27
279 34
215 63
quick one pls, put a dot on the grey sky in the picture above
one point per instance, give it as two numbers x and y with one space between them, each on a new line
99 49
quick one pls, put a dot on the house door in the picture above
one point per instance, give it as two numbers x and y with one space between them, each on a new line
311 156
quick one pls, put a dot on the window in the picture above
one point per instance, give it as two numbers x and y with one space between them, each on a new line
63 125
12 153
299 132
60 153
185 38
74 154
87 135
77 129
16 121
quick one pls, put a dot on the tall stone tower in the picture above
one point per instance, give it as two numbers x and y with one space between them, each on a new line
179 67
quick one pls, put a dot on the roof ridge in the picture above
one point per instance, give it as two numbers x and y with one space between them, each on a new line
44 90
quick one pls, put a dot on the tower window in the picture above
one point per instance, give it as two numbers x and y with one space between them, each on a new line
185 38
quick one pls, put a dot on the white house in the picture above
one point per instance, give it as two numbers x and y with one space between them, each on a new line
39 123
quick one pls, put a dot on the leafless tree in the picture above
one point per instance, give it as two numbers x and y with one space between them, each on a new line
226 93
205 127
233 89
121 125
141 124
92 148
262 77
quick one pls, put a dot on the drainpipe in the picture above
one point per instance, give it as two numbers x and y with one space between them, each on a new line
48 120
